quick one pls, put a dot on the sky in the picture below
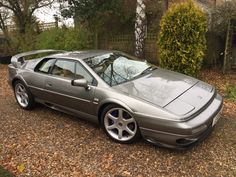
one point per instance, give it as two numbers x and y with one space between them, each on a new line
46 15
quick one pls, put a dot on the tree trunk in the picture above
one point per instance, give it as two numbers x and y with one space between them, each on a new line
140 28
166 4
4 29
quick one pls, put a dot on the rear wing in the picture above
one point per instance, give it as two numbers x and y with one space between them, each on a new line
18 60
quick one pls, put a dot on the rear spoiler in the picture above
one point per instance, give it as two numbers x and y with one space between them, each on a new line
18 60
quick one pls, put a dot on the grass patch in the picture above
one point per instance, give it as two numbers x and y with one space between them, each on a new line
5 173
230 91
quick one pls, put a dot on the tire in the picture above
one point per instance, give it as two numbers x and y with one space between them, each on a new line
23 96
5 60
119 124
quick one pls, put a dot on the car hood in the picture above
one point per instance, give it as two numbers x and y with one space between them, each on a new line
162 87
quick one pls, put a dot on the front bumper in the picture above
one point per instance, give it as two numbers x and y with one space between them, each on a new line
174 141
181 135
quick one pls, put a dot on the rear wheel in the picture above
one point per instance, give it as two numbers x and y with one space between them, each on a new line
119 124
23 96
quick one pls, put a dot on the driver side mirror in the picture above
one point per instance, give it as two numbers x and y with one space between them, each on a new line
81 83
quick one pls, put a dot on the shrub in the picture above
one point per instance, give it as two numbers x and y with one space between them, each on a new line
182 39
64 39
22 42
231 91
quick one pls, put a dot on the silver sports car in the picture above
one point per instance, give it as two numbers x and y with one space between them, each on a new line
128 98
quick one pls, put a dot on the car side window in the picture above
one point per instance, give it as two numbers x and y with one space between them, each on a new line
45 65
82 73
64 68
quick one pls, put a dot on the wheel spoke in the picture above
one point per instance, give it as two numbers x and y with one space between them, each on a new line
25 95
120 113
127 129
21 89
26 101
23 100
128 121
120 132
111 127
112 117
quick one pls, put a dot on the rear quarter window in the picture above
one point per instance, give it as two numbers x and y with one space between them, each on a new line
45 65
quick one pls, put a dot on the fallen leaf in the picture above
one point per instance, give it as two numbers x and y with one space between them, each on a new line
21 168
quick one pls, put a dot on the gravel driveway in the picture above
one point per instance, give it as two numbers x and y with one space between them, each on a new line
47 143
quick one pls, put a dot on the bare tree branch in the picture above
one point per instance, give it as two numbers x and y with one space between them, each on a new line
23 11
38 6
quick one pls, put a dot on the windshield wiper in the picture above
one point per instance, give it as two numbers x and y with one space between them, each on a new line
147 70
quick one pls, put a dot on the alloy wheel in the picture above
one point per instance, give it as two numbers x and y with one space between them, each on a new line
120 124
21 95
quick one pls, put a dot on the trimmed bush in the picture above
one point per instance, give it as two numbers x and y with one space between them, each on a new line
182 41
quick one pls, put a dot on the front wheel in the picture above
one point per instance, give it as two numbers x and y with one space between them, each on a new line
23 96
119 124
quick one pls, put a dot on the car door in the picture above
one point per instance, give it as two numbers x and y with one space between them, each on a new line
60 90
36 79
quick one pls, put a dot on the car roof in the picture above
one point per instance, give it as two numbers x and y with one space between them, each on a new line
83 54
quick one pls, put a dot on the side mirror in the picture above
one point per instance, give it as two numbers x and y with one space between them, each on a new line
81 83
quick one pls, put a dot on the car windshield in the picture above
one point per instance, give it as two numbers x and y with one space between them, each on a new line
117 68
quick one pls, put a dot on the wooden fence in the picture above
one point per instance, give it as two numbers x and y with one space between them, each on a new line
126 43
42 26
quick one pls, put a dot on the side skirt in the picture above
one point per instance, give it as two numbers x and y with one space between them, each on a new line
70 111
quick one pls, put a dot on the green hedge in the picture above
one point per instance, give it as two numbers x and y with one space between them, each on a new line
182 41
64 39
